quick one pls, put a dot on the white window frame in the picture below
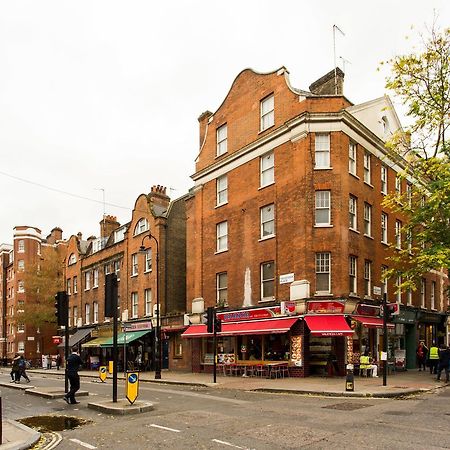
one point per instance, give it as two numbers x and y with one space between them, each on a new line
20 286
141 226
384 228
222 289
134 264
384 179
222 190
433 295
117 268
21 246
398 294
21 347
87 313
423 289
148 260
367 219
267 169
353 274
267 220
222 236
95 312
20 327
267 281
322 151
398 184
267 112
352 155
69 286
148 302
72 259
20 265
353 213
409 297
75 284
398 234
95 278
409 193
384 281
323 267
87 280
322 203
222 140
367 168
75 316
367 278
134 305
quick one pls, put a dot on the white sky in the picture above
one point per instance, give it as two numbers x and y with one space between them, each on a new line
106 94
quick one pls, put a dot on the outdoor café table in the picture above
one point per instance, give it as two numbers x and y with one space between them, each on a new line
247 368
273 368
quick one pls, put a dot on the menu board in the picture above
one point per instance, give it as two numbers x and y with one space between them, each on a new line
349 350
296 350
226 358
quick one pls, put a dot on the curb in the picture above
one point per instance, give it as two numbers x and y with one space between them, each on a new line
33 437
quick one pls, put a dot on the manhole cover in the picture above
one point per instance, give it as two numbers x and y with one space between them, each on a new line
53 423
347 406
397 413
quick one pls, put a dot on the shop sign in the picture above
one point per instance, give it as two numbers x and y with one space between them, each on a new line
405 316
56 339
423 316
376 290
325 307
137 326
296 350
286 278
288 308
367 310
255 314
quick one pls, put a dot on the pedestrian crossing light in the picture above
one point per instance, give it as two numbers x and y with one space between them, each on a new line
61 308
210 319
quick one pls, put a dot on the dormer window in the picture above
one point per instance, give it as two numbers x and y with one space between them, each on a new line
72 259
141 226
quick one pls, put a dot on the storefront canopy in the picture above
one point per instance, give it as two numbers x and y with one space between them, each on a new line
328 325
77 337
95 342
272 326
372 322
125 338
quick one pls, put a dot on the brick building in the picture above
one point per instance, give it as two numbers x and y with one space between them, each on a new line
117 249
27 253
287 236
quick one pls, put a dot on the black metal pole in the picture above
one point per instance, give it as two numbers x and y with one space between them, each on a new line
385 339
158 346
66 355
115 354
215 348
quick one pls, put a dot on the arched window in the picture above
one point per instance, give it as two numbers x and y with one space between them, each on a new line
72 259
141 226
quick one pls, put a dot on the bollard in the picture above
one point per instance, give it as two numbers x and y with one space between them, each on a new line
349 379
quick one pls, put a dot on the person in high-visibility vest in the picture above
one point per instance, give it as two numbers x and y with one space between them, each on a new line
433 358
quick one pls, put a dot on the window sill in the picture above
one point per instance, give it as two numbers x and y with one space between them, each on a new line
323 226
87 289
221 251
323 168
220 204
134 275
385 243
222 154
148 271
265 238
354 175
354 230
95 287
383 193
367 297
323 294
354 295
266 185
266 300
368 184
368 236
265 129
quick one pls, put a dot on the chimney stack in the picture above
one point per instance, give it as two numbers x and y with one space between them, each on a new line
330 84
55 236
158 196
107 225
203 121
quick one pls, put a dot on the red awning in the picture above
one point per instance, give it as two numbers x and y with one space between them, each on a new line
272 326
372 322
328 325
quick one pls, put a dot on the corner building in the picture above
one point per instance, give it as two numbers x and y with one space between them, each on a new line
287 237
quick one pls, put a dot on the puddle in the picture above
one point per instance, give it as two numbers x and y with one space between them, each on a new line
53 423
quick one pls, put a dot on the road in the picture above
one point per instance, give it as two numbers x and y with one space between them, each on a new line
209 418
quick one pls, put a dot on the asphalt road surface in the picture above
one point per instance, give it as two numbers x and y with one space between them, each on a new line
209 418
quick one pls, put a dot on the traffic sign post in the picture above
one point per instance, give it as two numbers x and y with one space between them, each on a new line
102 373
132 386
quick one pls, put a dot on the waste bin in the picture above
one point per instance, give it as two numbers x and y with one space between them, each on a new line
349 378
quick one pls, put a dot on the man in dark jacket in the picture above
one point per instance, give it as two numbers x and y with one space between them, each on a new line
444 361
73 364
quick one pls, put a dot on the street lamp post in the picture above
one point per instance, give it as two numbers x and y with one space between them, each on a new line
157 350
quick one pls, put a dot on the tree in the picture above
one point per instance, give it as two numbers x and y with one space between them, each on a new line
422 81
42 281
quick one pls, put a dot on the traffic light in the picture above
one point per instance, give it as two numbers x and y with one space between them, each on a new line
61 308
210 315
217 325
111 295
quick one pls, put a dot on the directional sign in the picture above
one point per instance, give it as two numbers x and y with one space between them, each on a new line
102 373
132 386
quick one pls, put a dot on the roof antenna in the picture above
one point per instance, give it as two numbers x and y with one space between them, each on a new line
335 27
343 60
104 203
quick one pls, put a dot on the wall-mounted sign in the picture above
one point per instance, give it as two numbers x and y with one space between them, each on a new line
376 290
31 338
137 326
325 307
367 310
257 313
286 278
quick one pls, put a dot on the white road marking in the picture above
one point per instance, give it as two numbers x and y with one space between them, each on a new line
227 443
84 444
164 428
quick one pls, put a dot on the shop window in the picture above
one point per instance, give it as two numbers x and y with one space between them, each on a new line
178 346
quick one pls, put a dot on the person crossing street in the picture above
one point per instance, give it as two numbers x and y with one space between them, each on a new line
72 366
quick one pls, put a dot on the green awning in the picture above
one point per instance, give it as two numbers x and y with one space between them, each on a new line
127 337
97 342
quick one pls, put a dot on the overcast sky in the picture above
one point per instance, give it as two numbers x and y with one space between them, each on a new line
106 94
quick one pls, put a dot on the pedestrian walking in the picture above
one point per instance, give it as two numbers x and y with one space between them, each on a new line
444 361
22 369
422 354
433 358
58 361
49 362
15 369
73 364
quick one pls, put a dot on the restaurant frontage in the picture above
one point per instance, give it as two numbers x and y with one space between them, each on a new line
313 338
